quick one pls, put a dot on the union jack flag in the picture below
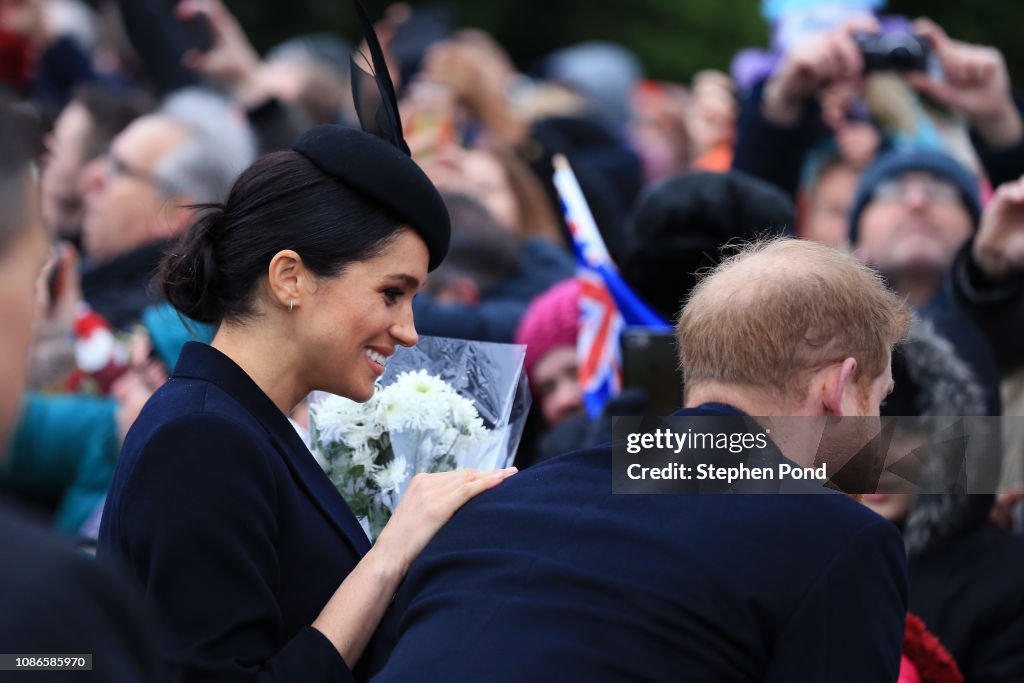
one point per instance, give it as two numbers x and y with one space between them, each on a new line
607 304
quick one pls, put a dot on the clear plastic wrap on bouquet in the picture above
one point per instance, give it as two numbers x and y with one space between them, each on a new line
444 404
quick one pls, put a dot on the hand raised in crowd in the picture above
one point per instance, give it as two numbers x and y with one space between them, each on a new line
475 73
999 245
231 61
478 73
975 82
827 58
428 117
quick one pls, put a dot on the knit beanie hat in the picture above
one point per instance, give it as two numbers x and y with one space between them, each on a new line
681 225
896 163
552 320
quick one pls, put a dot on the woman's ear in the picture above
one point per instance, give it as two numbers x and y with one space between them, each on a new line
287 276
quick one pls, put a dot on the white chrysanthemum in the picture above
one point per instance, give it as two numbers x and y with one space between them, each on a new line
464 414
391 477
416 400
360 432
341 419
364 456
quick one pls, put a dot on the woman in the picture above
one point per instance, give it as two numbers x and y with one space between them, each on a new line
247 554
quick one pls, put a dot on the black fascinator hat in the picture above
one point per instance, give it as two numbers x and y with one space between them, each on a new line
376 162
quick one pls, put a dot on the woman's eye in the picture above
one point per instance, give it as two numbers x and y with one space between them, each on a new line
392 295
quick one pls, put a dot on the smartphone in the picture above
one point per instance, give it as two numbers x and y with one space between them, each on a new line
650 361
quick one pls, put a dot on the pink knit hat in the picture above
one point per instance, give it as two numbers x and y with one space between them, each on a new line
553 319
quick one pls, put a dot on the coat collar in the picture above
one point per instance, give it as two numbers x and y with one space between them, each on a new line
201 361
710 409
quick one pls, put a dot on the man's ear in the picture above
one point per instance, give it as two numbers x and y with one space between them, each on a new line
286 277
838 379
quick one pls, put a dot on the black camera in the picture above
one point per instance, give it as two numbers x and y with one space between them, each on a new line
896 51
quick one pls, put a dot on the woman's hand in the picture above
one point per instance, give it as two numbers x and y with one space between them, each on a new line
429 502
353 613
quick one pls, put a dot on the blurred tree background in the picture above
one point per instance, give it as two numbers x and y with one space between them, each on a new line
673 38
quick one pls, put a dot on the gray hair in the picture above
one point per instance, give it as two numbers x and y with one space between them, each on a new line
220 147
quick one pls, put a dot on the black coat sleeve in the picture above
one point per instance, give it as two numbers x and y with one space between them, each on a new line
995 308
199 528
770 152
849 626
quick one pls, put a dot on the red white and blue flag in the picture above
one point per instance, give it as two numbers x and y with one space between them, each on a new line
607 304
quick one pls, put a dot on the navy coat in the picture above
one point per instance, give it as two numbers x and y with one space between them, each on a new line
235 533
551 577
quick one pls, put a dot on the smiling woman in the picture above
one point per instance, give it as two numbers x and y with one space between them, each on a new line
247 552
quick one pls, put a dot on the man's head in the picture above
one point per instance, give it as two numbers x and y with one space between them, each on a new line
791 327
481 254
680 224
825 217
140 192
127 203
23 253
911 213
82 132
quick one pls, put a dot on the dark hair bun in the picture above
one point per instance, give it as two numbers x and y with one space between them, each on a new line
189 273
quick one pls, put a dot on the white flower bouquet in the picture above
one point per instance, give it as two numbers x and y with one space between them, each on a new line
442 405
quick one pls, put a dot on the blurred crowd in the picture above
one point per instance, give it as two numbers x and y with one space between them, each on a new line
886 137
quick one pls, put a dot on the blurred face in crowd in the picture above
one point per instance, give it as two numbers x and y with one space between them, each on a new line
913 226
658 129
125 206
557 384
893 506
61 191
894 499
714 110
480 175
22 263
828 209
